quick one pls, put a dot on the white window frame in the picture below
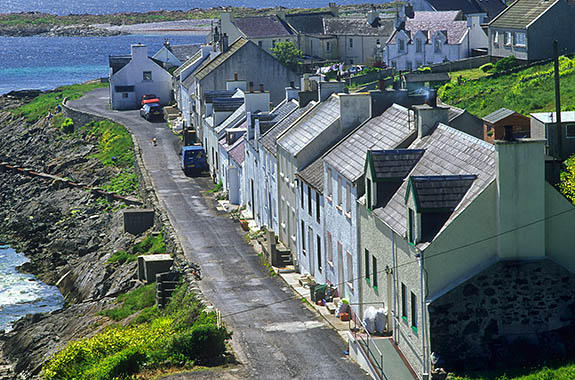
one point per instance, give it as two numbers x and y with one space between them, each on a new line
496 38
339 192
329 184
418 45
329 249
517 41
401 45
349 269
508 39
437 42
348 198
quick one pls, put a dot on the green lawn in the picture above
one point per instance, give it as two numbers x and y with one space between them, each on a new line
527 91
468 74
560 373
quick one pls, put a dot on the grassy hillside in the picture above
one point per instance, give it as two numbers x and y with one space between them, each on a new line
560 373
530 90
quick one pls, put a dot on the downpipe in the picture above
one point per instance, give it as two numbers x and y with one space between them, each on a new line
425 373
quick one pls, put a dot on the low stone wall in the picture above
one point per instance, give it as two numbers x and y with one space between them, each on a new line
79 117
462 64
513 313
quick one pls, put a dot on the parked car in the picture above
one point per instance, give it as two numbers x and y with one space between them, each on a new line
150 111
193 159
149 98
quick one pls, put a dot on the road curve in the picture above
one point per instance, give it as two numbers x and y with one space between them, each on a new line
275 336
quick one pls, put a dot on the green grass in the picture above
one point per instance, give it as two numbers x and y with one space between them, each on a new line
150 245
566 372
468 74
527 91
115 146
182 335
123 183
122 257
42 104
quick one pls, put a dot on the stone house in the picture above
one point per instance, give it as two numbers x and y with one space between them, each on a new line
425 38
494 124
527 29
135 75
450 196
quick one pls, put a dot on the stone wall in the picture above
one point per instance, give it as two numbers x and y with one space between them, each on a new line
512 313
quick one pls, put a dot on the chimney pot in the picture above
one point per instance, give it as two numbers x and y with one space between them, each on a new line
251 87
261 87
235 76
292 84
508 133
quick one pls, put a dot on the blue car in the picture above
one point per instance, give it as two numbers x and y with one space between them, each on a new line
193 159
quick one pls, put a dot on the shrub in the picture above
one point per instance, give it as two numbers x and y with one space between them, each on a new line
67 125
150 245
203 344
505 64
132 302
123 363
488 67
121 257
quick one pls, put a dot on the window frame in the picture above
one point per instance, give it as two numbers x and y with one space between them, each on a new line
508 41
366 264
309 201
437 42
411 226
350 43
368 190
401 45
329 249
516 39
339 191
303 232
147 76
567 135
404 302
349 269
413 312
329 184
418 45
318 251
374 270
318 207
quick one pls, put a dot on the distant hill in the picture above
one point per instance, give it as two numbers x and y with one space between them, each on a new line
529 90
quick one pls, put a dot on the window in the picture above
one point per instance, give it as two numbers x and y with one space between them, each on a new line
329 249
403 302
318 250
351 42
437 45
348 198
368 196
260 43
570 131
413 312
520 39
309 200
302 195
339 192
349 275
418 45
340 257
124 95
366 258
147 75
329 183
273 43
377 43
401 46
508 39
411 226
374 268
328 46
317 207
496 38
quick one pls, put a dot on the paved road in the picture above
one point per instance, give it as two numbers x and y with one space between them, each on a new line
273 338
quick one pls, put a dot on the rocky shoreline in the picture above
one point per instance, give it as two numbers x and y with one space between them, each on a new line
30 30
67 234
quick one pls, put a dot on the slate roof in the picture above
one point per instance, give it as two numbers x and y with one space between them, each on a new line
268 140
308 23
205 70
447 152
492 7
189 62
466 6
521 13
454 112
382 132
238 151
351 26
184 52
209 96
498 115
311 126
263 26
282 110
313 175
237 117
439 192
394 164
431 22
227 104
116 62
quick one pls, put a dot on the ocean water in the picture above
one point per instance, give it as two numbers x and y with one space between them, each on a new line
65 7
48 62
22 294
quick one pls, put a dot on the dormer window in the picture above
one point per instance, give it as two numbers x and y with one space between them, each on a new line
401 45
411 226
418 45
437 44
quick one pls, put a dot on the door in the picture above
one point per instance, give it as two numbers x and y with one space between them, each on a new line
253 198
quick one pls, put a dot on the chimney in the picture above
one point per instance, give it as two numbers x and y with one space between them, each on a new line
224 43
261 87
325 89
354 109
372 16
333 9
520 202
257 101
139 52
291 92
431 99
281 13
235 76
427 117
251 87
206 49
399 22
409 12
236 83
381 85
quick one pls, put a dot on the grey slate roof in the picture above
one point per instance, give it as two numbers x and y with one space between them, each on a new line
208 67
227 104
263 26
282 110
454 112
308 23
351 26
466 6
184 52
209 96
498 115
189 62
440 192
382 132
310 126
237 117
447 152
521 13
116 62
313 174
432 22
268 140
394 164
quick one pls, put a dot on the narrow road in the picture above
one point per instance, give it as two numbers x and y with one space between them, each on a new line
274 335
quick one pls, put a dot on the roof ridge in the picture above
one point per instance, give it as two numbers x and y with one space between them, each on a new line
465 136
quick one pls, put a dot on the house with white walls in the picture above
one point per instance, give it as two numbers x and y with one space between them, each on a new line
425 38
135 75
454 226
231 171
175 55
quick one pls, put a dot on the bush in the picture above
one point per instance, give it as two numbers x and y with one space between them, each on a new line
505 64
150 245
67 125
132 302
121 257
123 363
488 67
203 344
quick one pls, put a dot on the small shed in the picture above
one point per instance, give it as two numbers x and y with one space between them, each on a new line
494 123
150 265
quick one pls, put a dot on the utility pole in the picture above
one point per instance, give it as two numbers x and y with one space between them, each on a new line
558 101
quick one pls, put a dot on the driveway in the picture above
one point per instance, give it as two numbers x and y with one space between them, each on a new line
275 336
